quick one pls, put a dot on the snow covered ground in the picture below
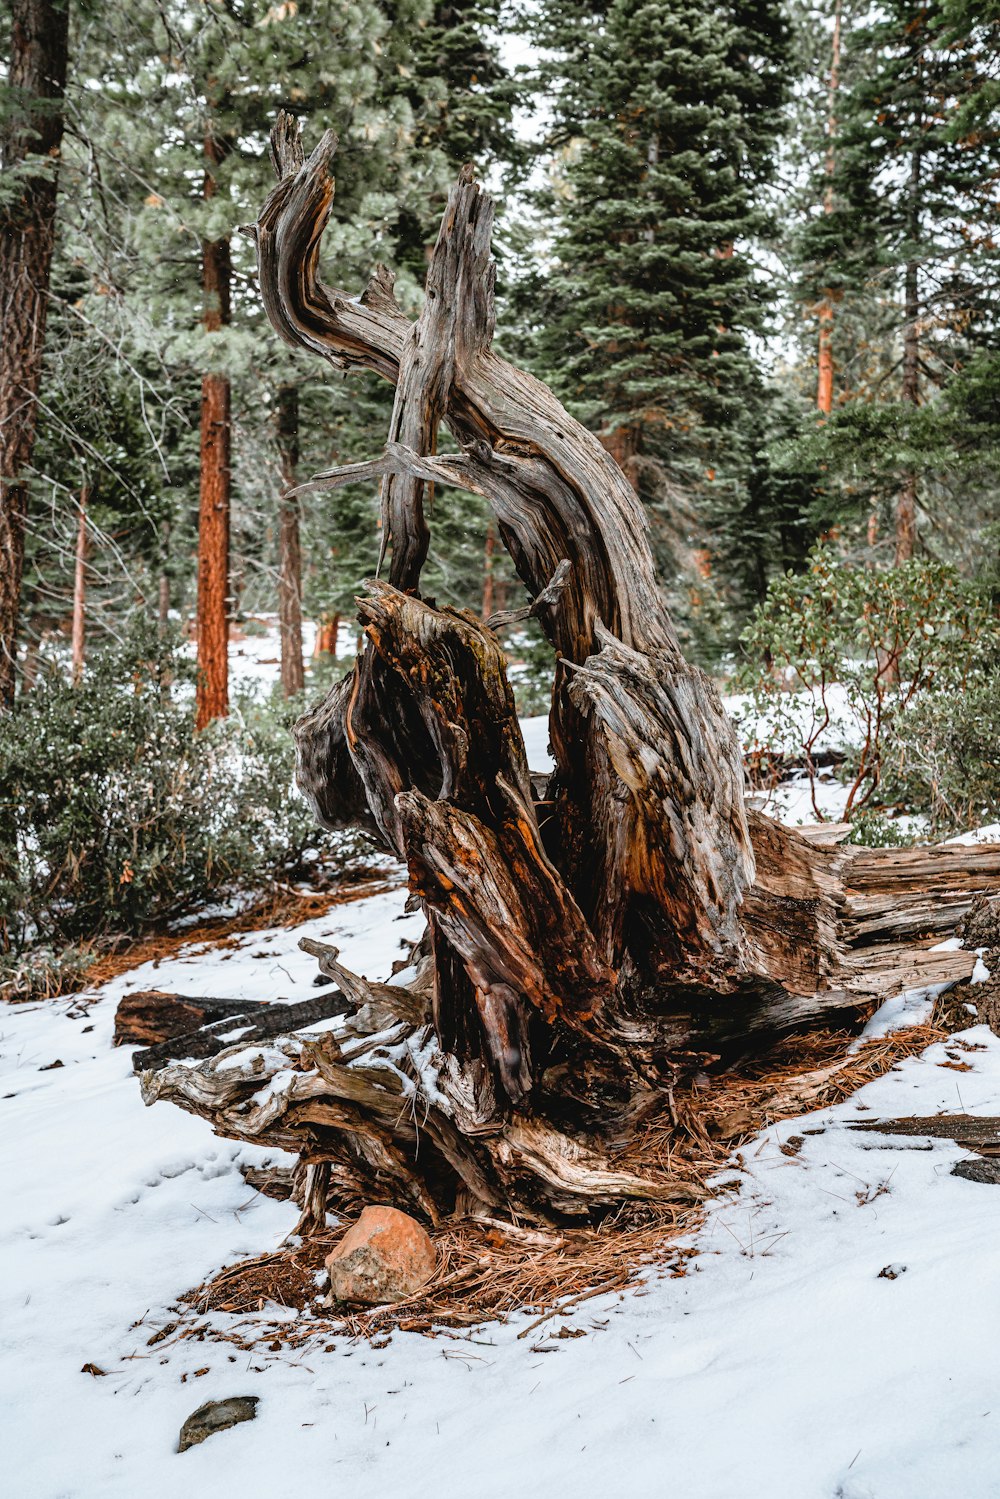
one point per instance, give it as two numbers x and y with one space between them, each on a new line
783 1366
835 1336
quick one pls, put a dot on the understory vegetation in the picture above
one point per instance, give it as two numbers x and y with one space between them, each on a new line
118 817
899 669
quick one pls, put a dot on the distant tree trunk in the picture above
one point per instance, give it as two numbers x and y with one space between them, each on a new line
30 138
212 699
327 630
163 586
488 551
80 584
289 546
623 445
824 388
906 503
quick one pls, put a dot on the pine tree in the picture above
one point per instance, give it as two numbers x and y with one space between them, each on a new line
667 114
31 130
155 83
909 247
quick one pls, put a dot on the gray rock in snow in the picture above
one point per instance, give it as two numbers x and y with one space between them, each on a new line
216 1415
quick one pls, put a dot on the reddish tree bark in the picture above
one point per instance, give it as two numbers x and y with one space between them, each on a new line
31 138
327 631
824 387
289 545
906 502
80 585
488 551
213 514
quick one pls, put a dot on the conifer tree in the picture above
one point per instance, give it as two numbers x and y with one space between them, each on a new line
667 114
31 130
910 246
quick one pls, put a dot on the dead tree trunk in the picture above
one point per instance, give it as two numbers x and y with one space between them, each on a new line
591 939
213 512
289 545
30 138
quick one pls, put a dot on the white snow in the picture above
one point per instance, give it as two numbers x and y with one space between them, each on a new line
782 1366
990 833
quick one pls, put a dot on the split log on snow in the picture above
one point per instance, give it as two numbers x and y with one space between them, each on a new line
981 1134
588 941
177 1026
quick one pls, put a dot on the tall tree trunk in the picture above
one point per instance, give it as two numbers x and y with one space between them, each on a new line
30 136
80 585
212 700
592 941
163 587
906 503
488 551
327 630
289 545
824 387
622 443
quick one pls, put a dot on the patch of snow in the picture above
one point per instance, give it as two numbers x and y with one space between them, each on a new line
912 1007
990 833
536 743
833 1379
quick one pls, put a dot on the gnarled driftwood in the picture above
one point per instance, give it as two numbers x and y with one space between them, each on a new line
589 939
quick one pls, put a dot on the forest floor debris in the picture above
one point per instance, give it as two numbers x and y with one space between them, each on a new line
766 1302
489 1271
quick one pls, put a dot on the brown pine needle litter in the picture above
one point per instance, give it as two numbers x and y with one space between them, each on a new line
282 906
488 1271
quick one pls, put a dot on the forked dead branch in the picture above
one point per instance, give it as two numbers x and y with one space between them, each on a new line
592 942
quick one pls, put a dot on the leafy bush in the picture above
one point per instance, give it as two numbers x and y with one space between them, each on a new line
868 647
116 815
947 755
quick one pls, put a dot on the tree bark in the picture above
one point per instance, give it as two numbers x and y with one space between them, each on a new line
80 585
592 938
212 693
488 553
327 630
824 387
906 503
289 545
31 139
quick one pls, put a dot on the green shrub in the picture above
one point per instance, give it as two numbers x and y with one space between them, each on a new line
946 755
115 815
867 647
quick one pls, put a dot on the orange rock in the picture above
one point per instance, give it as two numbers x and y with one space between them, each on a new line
386 1256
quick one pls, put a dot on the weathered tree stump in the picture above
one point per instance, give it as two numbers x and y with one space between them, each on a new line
591 940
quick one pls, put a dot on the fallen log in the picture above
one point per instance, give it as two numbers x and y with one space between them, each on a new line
980 1134
239 1022
151 1015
